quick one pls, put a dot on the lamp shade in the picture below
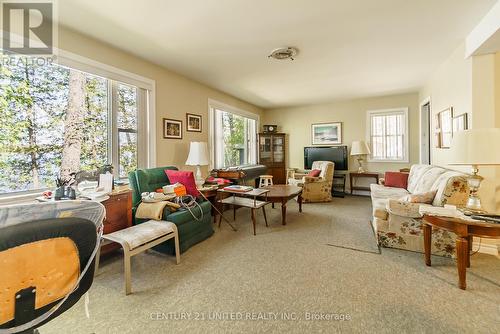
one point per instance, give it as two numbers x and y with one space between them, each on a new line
476 147
359 147
198 154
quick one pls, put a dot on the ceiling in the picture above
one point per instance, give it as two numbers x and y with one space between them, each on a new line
347 48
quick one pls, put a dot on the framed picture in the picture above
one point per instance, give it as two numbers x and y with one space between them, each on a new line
326 133
193 122
445 127
172 129
460 123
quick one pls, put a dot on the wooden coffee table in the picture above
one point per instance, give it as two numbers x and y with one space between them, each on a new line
281 193
464 230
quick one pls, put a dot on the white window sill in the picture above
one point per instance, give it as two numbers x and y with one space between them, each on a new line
390 161
19 198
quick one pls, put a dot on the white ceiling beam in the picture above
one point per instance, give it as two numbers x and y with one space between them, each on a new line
485 37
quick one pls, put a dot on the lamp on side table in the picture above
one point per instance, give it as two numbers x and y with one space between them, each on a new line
359 149
476 147
198 156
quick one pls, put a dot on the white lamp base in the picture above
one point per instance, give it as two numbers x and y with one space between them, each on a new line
198 178
360 163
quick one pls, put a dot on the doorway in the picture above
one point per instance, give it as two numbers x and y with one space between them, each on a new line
425 132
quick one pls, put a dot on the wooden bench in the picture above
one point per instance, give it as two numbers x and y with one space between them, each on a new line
139 238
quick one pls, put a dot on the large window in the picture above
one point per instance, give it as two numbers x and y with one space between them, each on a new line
234 137
57 120
388 135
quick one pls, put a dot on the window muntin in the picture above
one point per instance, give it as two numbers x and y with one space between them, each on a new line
235 139
33 105
388 135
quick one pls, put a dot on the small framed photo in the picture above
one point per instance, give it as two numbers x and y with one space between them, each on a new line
193 122
172 129
460 123
326 133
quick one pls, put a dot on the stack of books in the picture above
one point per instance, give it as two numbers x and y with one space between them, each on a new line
238 188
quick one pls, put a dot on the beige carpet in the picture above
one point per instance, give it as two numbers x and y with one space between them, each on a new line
277 280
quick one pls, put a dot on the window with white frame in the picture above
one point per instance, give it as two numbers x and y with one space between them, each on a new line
388 134
234 136
57 118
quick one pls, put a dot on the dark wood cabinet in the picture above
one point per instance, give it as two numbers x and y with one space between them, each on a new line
272 153
118 216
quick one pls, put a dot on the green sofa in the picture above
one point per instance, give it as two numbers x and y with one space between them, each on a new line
190 230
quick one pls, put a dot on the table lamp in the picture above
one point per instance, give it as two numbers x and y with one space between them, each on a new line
476 147
198 156
359 149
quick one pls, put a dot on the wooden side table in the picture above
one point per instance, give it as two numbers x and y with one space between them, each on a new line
118 216
210 193
357 175
464 230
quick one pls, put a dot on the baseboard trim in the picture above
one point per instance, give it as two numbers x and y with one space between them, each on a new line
485 248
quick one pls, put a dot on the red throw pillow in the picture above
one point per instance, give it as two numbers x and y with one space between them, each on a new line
314 173
396 180
184 177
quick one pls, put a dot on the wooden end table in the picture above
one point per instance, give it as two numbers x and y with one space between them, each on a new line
281 193
248 199
357 175
464 230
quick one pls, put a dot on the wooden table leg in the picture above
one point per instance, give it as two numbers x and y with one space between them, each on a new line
427 242
300 202
283 212
265 217
253 221
469 240
462 252
234 213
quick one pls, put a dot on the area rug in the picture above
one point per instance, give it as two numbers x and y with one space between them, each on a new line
353 232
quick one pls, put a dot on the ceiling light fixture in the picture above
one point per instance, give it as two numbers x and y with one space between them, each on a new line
284 53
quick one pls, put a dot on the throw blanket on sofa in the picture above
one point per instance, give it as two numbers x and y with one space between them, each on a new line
153 210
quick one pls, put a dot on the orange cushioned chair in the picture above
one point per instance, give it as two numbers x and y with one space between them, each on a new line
46 265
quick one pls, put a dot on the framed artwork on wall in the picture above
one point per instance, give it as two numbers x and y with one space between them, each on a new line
172 129
326 133
460 123
445 128
193 123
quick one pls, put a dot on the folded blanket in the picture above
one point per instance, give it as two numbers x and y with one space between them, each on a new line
153 210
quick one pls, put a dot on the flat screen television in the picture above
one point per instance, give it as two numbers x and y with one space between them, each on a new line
336 154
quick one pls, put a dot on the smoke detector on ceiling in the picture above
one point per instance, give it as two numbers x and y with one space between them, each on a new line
284 53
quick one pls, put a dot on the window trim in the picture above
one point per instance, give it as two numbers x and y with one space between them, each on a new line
406 144
214 104
146 143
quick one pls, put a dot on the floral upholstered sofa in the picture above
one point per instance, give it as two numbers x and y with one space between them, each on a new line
398 223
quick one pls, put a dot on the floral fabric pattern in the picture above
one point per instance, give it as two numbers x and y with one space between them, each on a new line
402 227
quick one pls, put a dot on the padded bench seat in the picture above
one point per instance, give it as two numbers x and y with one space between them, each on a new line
139 238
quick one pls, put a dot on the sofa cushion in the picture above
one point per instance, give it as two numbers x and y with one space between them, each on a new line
380 191
396 180
403 208
183 216
314 173
417 173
